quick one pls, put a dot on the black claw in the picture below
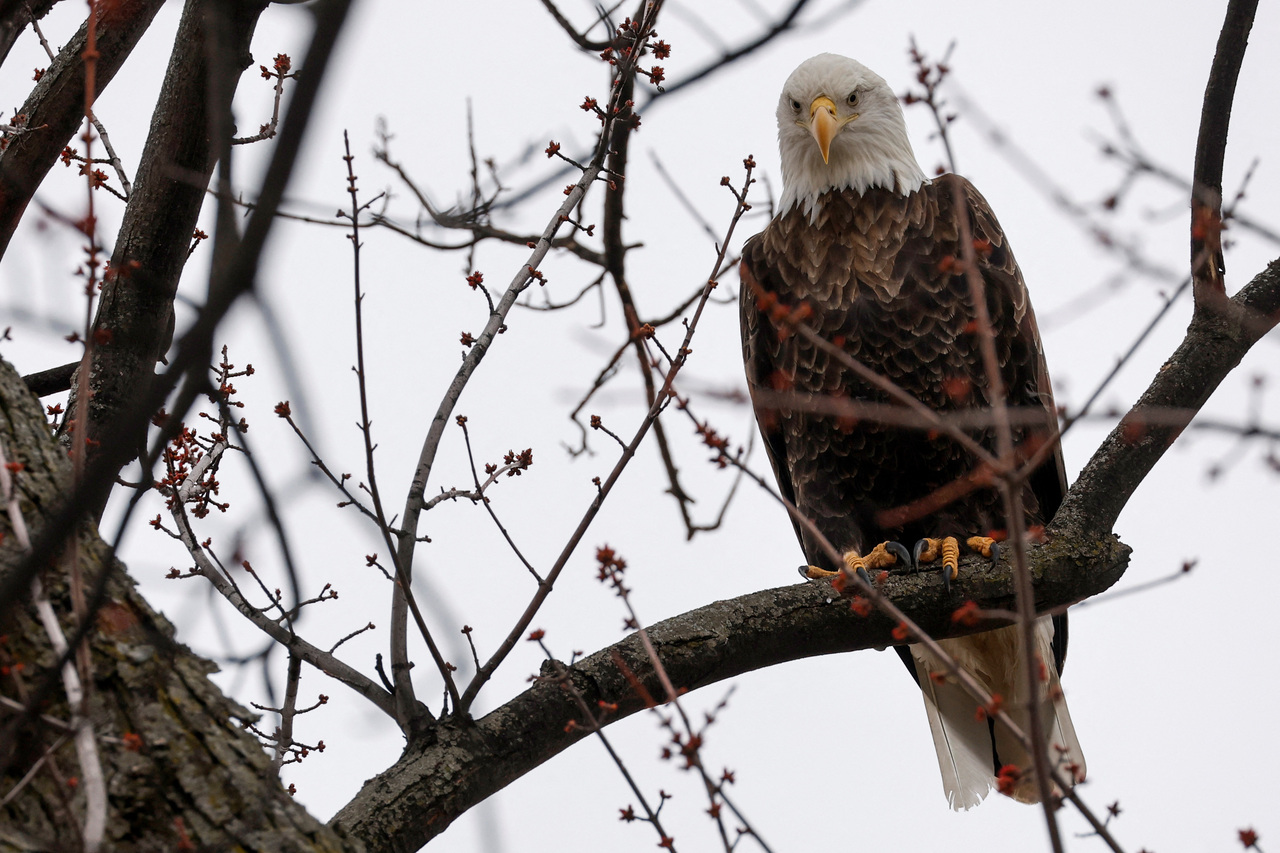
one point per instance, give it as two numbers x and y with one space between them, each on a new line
946 578
995 553
804 572
916 551
899 550
862 573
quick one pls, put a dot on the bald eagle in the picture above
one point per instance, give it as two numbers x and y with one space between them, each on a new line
867 251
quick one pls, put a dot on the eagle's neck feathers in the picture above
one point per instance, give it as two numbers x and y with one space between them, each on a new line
876 155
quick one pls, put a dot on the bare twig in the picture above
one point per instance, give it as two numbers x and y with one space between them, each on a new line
594 725
404 592
527 274
288 711
339 481
31 773
480 489
321 660
689 739
660 402
112 157
280 71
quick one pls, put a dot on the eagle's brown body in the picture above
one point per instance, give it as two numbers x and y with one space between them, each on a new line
883 276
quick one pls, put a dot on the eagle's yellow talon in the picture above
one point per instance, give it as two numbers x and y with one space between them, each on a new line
882 556
814 573
951 556
980 544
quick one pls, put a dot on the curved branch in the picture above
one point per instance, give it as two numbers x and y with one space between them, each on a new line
1211 147
784 23
434 782
1214 344
579 38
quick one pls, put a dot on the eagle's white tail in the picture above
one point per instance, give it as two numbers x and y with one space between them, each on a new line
962 736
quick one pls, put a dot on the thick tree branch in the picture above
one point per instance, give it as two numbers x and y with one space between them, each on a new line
417 798
14 17
231 278
134 322
52 381
55 108
1214 344
1211 146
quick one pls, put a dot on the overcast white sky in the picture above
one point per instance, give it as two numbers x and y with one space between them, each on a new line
1173 692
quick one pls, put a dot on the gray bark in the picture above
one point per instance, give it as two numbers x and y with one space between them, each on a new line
195 774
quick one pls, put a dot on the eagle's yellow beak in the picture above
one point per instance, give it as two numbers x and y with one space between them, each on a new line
823 123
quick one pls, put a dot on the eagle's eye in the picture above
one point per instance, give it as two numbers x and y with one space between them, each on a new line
853 98
795 105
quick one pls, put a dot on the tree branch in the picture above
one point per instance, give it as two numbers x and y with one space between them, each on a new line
416 799
134 321
55 107
1214 344
230 279
196 779
14 17
1211 146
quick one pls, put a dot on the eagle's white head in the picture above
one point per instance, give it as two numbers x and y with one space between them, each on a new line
840 125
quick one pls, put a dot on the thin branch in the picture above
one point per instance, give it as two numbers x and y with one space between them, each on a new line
689 740
781 25
660 402
31 773
497 322
480 489
579 38
321 660
595 726
405 702
675 189
1011 495
288 711
112 157
280 71
340 482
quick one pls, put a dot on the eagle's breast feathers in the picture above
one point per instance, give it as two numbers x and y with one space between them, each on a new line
883 275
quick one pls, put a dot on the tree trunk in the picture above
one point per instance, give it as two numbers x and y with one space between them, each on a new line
181 773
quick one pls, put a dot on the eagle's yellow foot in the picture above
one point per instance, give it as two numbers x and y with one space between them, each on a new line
814 573
948 549
984 545
882 556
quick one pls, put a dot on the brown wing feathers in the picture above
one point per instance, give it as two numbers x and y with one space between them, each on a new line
877 273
